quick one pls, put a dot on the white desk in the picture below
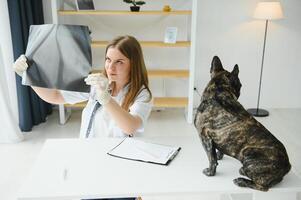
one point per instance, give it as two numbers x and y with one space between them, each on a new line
92 173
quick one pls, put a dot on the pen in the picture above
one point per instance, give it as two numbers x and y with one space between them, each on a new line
65 174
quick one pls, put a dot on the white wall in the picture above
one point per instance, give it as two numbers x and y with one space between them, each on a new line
226 28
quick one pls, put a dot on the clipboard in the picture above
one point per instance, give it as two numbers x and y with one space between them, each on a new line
138 150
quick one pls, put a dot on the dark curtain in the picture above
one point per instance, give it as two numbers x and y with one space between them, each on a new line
22 14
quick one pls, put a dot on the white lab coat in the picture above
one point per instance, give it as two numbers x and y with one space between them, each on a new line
103 125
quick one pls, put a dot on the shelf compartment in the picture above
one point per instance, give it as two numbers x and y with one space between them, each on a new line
159 102
77 105
158 73
123 12
175 73
170 102
101 44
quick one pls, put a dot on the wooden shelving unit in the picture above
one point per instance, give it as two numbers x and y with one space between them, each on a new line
123 12
102 44
187 72
170 102
159 102
77 105
161 73
176 73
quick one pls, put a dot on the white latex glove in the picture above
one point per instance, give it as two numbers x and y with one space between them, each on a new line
101 84
20 65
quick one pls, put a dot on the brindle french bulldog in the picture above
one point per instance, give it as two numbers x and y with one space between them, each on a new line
225 127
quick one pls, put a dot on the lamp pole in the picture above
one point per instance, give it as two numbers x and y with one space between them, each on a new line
262 61
257 111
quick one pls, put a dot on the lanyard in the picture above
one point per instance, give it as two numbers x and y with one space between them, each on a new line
96 106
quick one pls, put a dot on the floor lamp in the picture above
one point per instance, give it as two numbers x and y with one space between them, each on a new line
265 11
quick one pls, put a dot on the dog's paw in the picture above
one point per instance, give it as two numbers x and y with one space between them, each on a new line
209 172
242 182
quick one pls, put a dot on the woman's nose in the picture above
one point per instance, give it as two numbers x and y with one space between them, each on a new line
111 66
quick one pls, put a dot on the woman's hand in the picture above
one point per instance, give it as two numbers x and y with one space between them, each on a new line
20 65
48 95
101 84
127 122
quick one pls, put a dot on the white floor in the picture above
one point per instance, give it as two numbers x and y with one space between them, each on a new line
17 159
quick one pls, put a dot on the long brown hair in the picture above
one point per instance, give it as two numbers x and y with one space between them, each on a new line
131 49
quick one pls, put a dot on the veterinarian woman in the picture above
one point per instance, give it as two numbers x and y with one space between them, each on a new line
120 100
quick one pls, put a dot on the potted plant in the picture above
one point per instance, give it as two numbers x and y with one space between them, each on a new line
136 4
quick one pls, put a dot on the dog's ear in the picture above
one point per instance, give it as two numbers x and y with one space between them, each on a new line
235 70
216 66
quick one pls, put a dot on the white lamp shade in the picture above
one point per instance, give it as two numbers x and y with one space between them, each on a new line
268 11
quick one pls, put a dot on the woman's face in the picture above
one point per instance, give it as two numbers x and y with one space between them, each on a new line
117 66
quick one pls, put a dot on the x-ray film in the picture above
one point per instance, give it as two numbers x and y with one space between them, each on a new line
59 57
